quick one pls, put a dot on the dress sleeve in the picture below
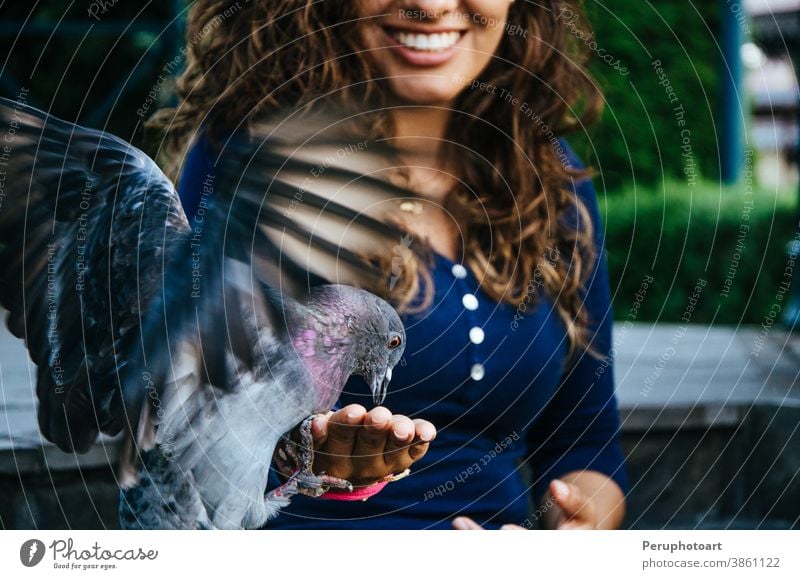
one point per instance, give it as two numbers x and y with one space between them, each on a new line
197 172
579 429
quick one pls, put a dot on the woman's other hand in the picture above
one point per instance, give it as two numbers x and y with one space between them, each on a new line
573 510
364 447
572 505
568 510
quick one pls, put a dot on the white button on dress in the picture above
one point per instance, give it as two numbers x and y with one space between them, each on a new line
470 302
459 271
476 335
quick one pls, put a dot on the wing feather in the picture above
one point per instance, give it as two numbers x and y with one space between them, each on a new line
85 221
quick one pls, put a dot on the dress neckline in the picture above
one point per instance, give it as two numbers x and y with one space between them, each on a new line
443 257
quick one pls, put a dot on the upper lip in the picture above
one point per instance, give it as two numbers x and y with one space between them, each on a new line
425 30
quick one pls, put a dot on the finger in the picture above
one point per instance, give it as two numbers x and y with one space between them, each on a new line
342 429
466 524
571 500
368 458
402 434
512 528
319 429
425 432
371 439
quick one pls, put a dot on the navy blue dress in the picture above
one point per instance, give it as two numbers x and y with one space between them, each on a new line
511 414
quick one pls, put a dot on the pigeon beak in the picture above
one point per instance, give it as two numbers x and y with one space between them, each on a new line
380 384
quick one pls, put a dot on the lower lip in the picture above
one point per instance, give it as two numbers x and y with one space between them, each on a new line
421 57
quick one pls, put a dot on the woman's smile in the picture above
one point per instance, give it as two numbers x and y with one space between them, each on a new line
423 48
428 51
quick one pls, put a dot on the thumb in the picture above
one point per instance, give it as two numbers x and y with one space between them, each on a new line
576 511
319 430
567 496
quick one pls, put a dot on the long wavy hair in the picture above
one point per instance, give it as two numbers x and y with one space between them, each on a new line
524 230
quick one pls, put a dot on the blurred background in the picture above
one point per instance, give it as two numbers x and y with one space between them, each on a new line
696 165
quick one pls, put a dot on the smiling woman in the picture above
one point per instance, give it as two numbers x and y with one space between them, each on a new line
505 352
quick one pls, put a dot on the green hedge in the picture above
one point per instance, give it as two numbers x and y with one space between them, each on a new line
80 69
639 139
678 237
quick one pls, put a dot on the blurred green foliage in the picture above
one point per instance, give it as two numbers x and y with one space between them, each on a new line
639 139
726 236
93 70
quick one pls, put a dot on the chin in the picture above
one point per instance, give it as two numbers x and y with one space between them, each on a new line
409 91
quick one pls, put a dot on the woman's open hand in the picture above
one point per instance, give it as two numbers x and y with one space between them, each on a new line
364 447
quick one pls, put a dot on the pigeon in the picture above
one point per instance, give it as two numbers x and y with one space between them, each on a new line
204 343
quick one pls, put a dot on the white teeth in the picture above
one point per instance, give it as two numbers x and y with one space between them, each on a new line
428 42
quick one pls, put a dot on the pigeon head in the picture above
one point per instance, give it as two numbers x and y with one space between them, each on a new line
380 342
353 332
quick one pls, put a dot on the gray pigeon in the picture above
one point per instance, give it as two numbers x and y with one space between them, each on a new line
205 344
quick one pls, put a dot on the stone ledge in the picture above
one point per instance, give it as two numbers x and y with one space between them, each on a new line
48 458
679 417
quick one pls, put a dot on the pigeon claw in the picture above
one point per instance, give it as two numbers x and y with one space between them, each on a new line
316 485
298 457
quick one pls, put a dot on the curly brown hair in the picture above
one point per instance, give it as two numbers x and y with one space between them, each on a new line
521 221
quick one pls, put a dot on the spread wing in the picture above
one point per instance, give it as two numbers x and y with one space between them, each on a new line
106 281
85 219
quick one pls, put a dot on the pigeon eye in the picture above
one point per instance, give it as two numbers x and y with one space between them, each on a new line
394 342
